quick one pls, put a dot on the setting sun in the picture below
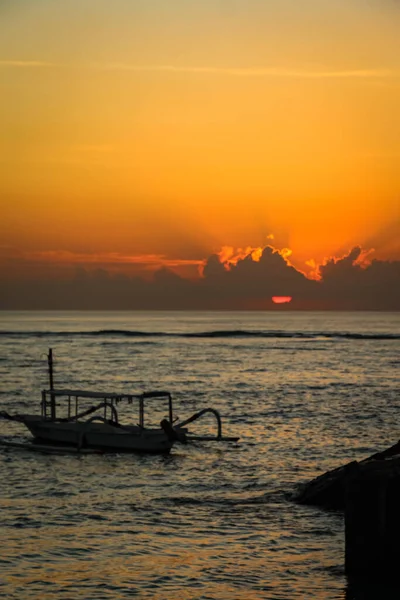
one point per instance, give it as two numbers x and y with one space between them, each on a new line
281 299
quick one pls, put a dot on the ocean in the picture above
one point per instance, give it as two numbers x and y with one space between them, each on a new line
305 392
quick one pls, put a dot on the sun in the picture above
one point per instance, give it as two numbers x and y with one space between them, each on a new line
281 299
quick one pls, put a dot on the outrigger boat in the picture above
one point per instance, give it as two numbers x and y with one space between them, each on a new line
98 426
64 421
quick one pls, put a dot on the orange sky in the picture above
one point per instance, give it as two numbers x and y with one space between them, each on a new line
156 132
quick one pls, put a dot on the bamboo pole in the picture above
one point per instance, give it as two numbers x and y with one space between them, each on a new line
51 383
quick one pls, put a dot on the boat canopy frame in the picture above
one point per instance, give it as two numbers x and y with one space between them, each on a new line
109 399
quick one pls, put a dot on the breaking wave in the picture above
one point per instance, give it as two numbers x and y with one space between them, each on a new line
233 334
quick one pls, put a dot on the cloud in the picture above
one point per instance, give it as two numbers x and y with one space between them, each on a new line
358 284
252 279
25 64
110 260
350 282
336 267
277 72
272 71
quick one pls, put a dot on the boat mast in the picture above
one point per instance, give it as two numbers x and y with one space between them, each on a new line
51 382
50 363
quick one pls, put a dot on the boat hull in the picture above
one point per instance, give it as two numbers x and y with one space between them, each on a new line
99 435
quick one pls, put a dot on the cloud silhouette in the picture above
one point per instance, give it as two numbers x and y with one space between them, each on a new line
248 282
352 285
253 282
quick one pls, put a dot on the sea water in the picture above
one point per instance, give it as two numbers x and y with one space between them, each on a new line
305 392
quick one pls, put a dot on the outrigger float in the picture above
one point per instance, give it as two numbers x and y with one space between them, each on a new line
97 428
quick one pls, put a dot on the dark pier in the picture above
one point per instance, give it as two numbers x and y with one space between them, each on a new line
372 522
368 492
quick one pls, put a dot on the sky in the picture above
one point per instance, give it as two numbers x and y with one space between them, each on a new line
149 143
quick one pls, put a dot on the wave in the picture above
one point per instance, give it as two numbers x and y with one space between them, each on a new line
230 334
273 497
